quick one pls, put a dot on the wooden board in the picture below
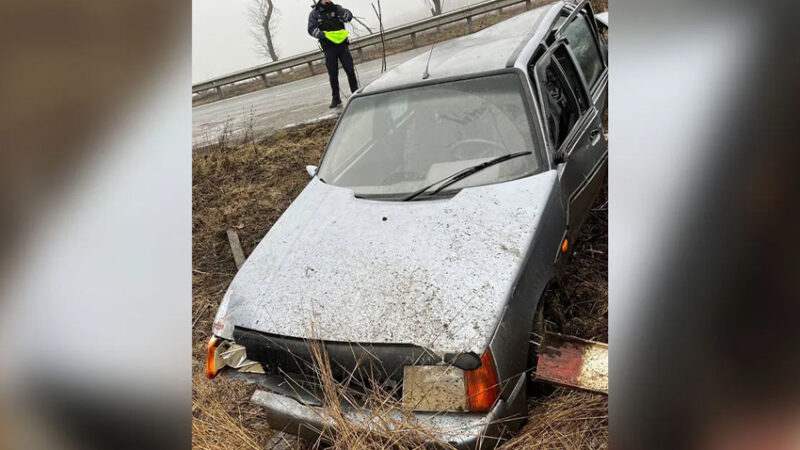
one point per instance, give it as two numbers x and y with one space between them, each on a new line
573 362
236 248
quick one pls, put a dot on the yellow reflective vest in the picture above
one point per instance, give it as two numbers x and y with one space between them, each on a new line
338 36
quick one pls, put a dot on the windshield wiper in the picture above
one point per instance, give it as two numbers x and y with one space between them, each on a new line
464 173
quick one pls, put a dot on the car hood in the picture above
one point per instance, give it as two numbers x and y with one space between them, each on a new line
432 273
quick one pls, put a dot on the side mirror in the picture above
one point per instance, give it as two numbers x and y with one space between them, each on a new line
312 171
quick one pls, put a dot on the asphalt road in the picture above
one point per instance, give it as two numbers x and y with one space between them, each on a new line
274 108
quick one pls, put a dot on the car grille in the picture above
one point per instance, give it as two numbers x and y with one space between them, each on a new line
362 367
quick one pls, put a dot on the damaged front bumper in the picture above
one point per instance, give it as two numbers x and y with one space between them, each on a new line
302 414
461 430
459 404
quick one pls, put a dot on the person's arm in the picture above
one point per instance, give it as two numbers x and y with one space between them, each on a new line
313 28
344 14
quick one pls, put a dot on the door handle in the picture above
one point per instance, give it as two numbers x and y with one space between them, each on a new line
595 135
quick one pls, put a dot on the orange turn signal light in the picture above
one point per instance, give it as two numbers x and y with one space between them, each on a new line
211 356
564 246
482 386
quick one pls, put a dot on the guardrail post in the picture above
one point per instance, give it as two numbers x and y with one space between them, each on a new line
219 92
469 24
413 40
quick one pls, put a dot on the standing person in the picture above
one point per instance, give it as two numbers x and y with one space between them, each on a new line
326 23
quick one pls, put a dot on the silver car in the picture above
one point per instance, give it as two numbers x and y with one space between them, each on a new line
450 189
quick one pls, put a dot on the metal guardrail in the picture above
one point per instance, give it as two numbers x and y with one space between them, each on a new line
408 30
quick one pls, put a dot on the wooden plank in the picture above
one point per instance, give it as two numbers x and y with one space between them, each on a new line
236 247
573 362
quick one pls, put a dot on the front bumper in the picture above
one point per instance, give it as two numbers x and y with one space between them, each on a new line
305 417
460 430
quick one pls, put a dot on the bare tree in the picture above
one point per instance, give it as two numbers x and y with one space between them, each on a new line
263 19
379 15
435 5
361 22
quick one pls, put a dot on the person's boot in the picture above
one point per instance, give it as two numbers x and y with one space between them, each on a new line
335 103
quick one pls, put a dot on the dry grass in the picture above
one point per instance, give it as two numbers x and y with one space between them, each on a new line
247 188
565 420
222 419
599 5
390 427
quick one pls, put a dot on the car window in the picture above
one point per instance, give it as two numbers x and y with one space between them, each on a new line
559 21
563 95
577 88
394 143
584 47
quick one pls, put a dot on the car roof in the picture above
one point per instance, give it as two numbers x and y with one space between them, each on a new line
490 49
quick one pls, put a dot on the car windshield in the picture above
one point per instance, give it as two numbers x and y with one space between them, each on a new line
395 143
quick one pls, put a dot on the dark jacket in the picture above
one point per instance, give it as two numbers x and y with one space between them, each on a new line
327 18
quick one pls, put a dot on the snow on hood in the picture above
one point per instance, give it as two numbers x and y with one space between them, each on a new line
431 273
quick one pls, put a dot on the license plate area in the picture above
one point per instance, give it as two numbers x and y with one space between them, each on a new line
434 389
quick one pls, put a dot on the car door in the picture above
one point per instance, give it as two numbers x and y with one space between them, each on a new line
585 43
574 127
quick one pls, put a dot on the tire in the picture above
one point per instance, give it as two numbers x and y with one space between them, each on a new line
538 330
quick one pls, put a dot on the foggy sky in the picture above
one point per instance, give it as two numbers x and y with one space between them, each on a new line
222 42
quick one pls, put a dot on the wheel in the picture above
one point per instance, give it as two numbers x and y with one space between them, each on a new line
538 330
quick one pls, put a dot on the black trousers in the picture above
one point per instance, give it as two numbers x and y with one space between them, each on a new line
333 54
